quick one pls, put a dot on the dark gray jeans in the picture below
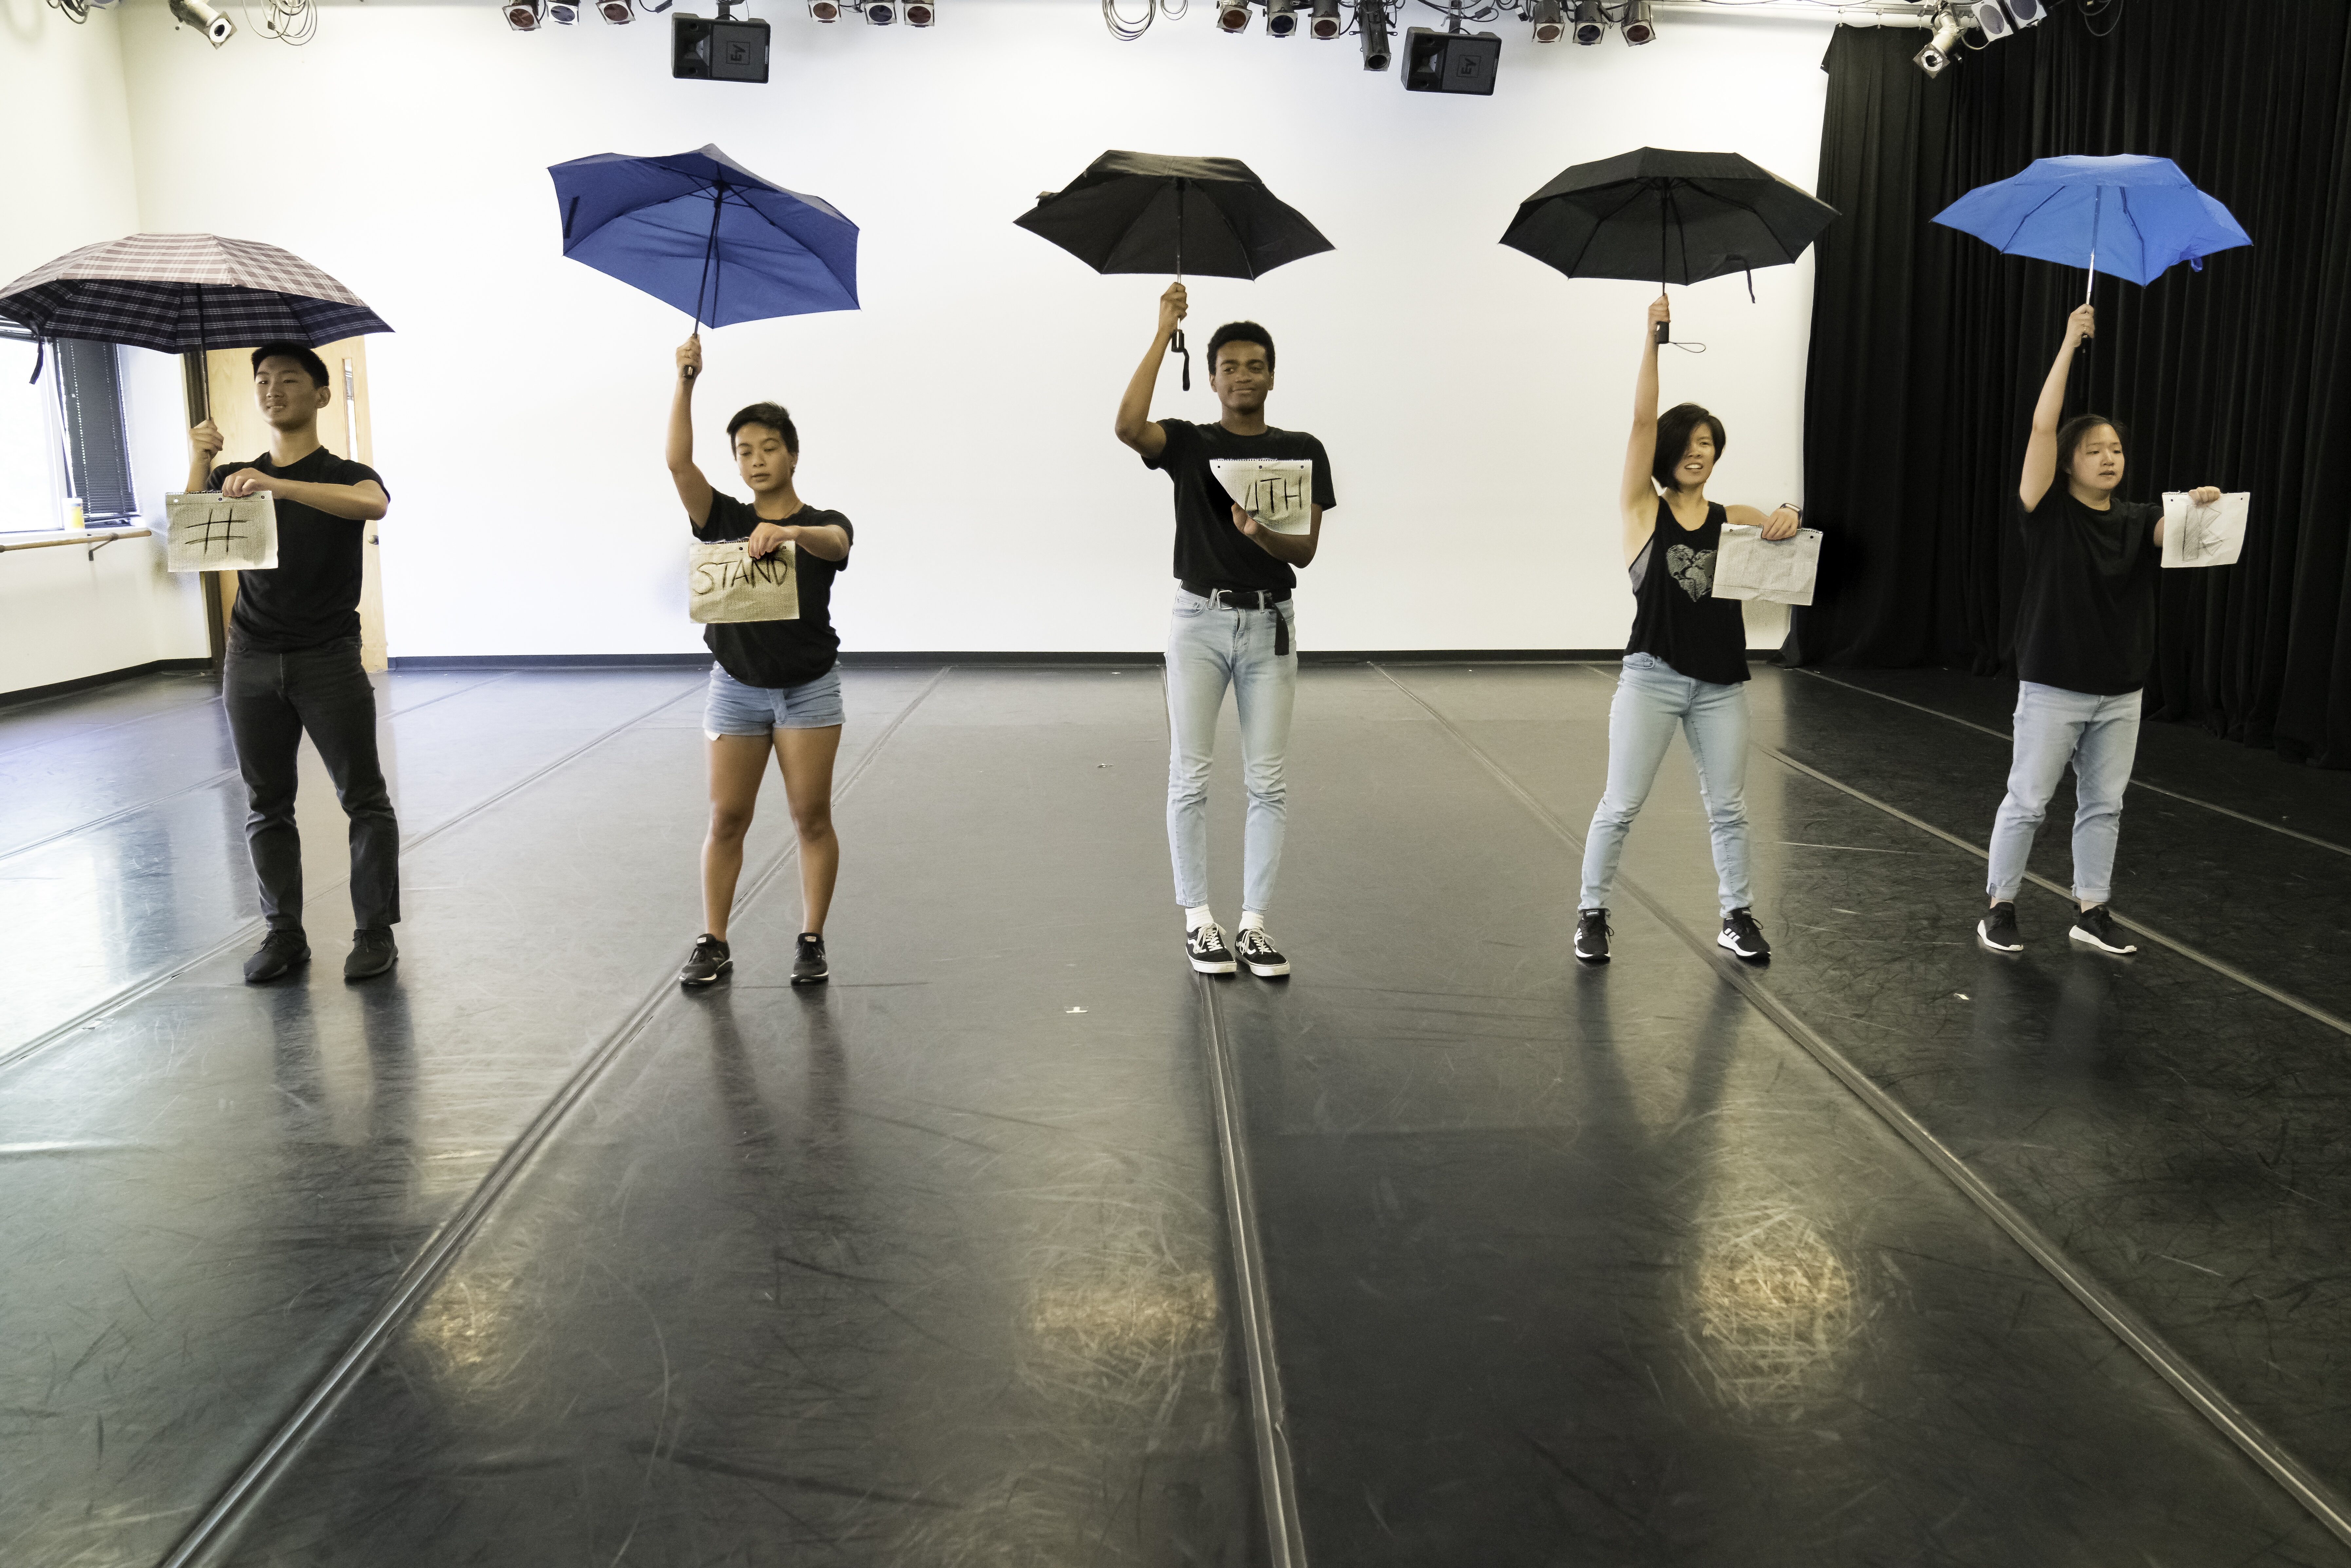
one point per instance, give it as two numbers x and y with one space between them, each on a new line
272 700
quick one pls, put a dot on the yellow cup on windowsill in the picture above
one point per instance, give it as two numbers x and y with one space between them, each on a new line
73 512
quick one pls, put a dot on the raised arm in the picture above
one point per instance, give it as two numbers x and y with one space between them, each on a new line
1636 497
2040 451
693 489
1135 426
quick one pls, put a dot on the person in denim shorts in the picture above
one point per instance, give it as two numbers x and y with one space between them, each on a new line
776 685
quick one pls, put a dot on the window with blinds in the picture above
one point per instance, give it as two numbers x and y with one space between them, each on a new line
87 383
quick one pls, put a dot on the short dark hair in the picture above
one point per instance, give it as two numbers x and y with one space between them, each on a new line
2070 434
1240 332
302 354
771 414
1674 428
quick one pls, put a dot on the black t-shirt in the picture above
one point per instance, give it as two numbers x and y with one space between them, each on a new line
2087 619
312 595
777 653
1208 549
1675 616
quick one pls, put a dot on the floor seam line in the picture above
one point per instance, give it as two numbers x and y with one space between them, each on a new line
244 931
2201 1394
217 1526
2136 783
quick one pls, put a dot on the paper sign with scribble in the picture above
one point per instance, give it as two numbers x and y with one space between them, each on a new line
2203 536
1780 571
207 532
1278 492
723 582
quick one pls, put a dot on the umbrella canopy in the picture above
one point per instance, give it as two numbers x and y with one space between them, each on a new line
1679 218
2130 217
1144 212
699 231
183 293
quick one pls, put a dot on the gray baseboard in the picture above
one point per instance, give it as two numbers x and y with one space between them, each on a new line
107 678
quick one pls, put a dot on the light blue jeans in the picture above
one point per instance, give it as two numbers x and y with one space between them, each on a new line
1652 700
2099 735
1208 649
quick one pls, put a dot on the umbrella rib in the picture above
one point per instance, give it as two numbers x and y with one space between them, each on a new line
2054 192
1602 224
2121 195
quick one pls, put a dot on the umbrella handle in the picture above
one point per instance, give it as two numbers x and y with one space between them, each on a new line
1176 343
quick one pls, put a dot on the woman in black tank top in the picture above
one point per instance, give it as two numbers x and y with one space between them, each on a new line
1686 662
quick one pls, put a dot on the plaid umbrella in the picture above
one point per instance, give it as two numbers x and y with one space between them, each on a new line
176 293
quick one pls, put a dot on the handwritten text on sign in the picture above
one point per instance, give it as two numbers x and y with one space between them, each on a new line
209 532
724 583
1278 492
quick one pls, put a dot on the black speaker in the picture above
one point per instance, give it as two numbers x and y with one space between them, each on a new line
701 49
1451 62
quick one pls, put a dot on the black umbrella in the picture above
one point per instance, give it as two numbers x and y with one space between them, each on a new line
1143 212
1679 218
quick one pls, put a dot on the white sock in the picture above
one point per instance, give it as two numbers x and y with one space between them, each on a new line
1252 919
1197 915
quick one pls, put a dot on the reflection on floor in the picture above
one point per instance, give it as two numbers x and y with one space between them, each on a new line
933 1265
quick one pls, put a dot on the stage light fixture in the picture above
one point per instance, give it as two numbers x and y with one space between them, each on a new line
1324 21
619 12
217 28
824 10
563 11
523 15
920 13
1937 56
1281 19
879 13
1990 18
1371 29
1640 24
2027 13
1232 16
1590 21
1550 17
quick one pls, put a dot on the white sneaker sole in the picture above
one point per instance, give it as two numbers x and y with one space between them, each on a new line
1269 971
1983 940
2087 940
1733 948
1210 966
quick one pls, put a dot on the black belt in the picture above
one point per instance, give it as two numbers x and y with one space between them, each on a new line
1250 599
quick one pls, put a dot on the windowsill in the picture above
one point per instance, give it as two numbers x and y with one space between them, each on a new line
94 537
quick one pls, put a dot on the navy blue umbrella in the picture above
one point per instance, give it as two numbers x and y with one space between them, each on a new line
2132 216
702 232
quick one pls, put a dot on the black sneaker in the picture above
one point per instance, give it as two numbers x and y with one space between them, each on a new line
282 952
1742 936
1204 946
808 962
709 961
1997 930
372 954
2095 926
1263 958
1592 936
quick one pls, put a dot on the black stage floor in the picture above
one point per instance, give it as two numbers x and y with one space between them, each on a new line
1017 1245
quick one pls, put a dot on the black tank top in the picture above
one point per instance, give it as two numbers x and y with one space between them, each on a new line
1675 616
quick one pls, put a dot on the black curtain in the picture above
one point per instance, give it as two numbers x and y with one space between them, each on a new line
1928 348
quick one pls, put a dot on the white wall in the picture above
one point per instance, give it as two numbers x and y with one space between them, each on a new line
65 127
1472 400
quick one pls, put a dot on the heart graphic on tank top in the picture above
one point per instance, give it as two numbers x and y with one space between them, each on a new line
1693 568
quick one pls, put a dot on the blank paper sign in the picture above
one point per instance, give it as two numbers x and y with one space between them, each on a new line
206 531
1278 492
724 583
1779 572
2203 536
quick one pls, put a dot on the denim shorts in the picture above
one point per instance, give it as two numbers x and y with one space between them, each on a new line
734 708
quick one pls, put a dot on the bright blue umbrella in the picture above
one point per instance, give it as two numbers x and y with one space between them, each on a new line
2055 210
702 232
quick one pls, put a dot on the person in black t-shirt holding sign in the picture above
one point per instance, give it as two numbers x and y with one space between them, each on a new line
2084 639
774 685
1232 625
294 667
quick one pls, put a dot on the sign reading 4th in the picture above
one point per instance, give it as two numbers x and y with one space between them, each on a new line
210 532
1279 492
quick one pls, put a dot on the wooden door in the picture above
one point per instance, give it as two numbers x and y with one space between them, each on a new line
342 430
